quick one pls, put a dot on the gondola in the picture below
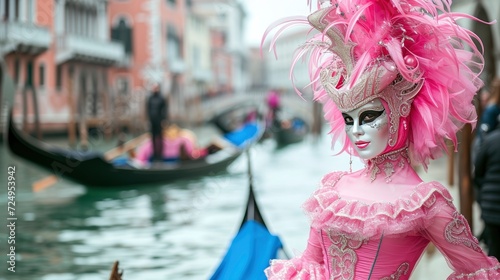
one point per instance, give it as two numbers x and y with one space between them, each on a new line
290 131
250 251
253 246
92 169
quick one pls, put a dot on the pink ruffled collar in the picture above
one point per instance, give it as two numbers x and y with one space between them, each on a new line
327 209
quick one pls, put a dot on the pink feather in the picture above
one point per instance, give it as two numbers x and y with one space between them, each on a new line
446 55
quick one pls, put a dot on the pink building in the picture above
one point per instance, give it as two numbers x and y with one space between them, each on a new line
151 32
26 29
58 54
88 64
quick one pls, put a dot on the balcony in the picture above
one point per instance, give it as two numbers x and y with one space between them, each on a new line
86 49
202 75
24 37
177 65
125 62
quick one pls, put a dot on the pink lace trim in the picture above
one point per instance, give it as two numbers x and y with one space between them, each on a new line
295 268
328 210
492 273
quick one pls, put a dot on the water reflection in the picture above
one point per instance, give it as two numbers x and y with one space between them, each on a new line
169 231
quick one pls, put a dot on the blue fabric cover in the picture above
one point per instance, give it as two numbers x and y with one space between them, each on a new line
249 253
239 137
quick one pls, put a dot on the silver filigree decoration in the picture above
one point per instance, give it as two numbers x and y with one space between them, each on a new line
388 161
374 171
458 232
389 170
402 270
344 257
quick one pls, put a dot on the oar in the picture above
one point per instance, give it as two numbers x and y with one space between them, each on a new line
50 180
44 183
127 146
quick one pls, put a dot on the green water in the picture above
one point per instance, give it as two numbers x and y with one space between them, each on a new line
165 231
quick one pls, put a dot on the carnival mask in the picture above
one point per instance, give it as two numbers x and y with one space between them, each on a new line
367 128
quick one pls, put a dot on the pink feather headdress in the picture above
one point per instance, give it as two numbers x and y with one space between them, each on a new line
410 53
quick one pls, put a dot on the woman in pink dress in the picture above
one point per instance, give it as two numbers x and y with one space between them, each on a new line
175 140
397 79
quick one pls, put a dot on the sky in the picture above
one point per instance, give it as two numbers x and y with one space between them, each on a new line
261 13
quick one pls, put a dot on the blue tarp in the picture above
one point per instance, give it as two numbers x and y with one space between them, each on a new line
249 254
245 133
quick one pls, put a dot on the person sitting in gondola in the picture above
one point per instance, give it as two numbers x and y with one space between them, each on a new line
178 144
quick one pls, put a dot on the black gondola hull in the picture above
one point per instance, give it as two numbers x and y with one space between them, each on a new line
295 132
91 169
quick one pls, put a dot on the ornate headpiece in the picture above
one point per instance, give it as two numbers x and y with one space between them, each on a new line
410 53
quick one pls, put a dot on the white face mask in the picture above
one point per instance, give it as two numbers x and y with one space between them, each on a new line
367 128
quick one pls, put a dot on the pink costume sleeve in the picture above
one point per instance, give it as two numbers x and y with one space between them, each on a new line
450 232
145 151
307 266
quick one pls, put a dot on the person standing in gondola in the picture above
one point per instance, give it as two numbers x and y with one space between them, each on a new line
396 78
157 112
273 102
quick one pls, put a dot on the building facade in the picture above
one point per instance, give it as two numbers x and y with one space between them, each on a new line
199 77
226 20
277 69
58 54
152 33
82 64
26 35
83 55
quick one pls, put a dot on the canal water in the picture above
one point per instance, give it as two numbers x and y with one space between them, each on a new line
178 230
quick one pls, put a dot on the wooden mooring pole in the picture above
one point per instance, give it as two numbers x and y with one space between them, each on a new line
465 176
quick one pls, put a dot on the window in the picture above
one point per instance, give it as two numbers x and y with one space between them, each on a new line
16 9
6 10
29 73
30 11
122 32
196 57
173 43
59 77
172 2
41 75
122 85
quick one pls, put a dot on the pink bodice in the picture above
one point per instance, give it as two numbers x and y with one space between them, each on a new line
378 228
353 258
